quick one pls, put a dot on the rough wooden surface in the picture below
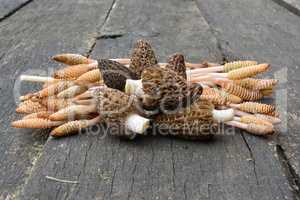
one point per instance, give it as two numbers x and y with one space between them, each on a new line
271 36
291 5
8 7
231 167
27 39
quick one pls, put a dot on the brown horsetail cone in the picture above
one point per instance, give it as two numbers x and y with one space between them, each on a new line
41 114
69 128
72 111
115 74
176 63
253 128
48 83
238 64
248 119
219 97
243 93
192 122
273 114
55 104
267 92
256 84
260 130
165 89
231 98
72 59
142 57
254 107
72 127
89 77
247 71
53 89
35 123
72 91
30 107
268 118
74 71
214 98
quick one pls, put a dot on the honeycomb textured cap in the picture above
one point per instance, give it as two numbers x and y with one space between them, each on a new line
166 90
192 122
112 104
142 57
115 74
176 63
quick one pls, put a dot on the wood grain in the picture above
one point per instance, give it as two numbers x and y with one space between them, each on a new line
229 167
27 40
266 32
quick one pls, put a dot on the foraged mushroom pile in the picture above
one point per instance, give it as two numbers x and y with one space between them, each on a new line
139 94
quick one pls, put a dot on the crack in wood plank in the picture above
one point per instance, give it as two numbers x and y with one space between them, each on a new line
289 6
252 157
16 9
113 4
289 171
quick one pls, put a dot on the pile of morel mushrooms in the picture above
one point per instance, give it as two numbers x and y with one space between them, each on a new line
187 100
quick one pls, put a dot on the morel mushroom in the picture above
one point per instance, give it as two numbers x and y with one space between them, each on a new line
199 121
177 64
142 57
118 108
115 74
163 89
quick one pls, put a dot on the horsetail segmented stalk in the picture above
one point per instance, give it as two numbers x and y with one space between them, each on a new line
72 59
254 107
36 123
74 71
87 92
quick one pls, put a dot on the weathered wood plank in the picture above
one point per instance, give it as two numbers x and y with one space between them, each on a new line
265 31
27 40
8 7
158 167
291 5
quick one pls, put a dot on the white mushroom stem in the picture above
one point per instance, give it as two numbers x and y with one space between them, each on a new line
134 87
137 123
42 79
223 115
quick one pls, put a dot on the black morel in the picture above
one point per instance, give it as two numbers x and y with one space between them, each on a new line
142 57
115 74
177 64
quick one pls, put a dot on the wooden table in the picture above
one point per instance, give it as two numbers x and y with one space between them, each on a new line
232 167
